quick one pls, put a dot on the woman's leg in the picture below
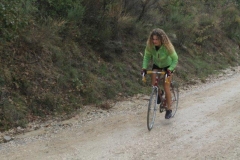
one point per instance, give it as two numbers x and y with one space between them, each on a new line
168 92
153 83
154 77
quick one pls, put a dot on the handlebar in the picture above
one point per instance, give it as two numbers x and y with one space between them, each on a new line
155 72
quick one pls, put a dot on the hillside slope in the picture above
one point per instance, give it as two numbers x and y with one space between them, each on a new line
58 57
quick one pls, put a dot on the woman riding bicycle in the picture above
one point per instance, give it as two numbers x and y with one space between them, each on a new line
165 58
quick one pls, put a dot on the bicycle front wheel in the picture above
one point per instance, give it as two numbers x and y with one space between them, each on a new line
175 97
152 108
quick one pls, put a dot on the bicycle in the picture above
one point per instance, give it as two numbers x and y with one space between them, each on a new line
152 105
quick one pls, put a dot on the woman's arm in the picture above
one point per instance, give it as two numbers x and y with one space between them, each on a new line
146 58
174 57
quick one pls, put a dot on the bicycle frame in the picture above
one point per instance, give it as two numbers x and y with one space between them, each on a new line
152 106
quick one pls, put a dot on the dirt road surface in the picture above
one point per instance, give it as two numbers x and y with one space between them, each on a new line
206 126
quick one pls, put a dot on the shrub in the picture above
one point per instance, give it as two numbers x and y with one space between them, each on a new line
13 18
59 8
231 23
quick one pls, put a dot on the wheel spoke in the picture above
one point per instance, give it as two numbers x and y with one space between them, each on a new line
152 109
175 97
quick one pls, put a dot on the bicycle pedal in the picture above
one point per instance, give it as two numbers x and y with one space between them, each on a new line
162 110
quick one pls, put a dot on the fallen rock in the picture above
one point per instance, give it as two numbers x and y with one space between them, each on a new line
7 139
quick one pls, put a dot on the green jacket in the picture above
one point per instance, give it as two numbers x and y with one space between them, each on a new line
161 58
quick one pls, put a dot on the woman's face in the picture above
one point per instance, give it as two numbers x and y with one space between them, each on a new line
156 41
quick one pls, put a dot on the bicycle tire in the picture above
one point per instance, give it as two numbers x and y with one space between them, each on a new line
152 108
175 97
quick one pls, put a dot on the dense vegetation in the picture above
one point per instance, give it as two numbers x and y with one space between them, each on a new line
58 55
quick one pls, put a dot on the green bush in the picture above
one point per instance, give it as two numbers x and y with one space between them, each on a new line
13 110
13 18
59 8
231 23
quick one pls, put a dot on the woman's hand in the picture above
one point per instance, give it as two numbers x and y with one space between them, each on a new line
144 71
169 73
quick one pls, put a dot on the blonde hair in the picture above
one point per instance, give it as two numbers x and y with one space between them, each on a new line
163 38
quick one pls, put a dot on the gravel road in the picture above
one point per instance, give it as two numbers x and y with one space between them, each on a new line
206 126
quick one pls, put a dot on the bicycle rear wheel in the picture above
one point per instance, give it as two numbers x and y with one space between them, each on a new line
175 97
152 108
